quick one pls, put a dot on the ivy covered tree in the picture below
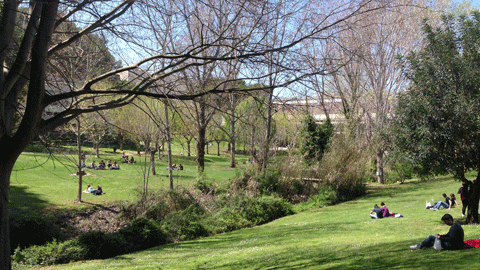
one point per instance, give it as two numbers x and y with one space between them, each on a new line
315 138
437 124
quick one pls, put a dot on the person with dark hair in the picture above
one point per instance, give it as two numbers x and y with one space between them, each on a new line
453 200
463 191
450 241
445 203
376 212
385 211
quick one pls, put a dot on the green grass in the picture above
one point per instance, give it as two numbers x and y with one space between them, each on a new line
48 181
334 237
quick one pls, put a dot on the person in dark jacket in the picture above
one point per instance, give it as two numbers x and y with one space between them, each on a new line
463 191
450 241
376 212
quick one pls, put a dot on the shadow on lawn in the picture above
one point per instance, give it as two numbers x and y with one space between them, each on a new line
21 200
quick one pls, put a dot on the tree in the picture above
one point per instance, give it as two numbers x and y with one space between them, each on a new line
436 125
26 101
315 138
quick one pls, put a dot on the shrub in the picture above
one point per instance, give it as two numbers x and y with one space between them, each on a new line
185 224
224 220
269 182
264 209
99 245
141 234
52 253
31 229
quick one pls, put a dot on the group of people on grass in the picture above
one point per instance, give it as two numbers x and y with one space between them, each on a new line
97 191
102 166
177 168
454 239
381 212
448 203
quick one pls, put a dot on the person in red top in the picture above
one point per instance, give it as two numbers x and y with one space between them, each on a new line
385 211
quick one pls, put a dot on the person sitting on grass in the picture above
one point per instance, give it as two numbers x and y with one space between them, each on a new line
93 165
451 241
101 165
376 212
445 204
453 200
131 161
98 191
115 166
89 189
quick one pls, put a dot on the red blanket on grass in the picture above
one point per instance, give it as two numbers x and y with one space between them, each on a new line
472 243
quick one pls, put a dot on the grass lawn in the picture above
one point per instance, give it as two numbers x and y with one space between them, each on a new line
42 181
333 237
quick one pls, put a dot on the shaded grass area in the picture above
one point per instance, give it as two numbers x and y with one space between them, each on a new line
334 237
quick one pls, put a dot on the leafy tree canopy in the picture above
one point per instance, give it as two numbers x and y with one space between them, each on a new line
437 124
315 138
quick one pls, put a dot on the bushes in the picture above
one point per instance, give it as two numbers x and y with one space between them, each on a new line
52 253
140 234
185 224
31 229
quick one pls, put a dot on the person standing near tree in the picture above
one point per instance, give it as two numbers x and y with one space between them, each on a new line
463 191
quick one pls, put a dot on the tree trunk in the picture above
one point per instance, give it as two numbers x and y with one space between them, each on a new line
268 133
218 148
232 140
380 176
97 149
80 159
473 201
201 149
169 145
189 154
152 162
6 167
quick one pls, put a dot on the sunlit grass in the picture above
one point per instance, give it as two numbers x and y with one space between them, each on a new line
333 237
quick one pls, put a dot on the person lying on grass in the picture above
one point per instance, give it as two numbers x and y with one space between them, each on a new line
450 241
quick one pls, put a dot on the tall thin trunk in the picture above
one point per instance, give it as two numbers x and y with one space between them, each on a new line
80 159
232 134
201 149
152 161
169 145
189 153
380 176
218 148
266 146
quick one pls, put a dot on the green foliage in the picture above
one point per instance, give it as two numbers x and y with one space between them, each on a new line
437 126
99 245
142 233
269 182
263 209
185 224
226 219
315 138
52 253
31 229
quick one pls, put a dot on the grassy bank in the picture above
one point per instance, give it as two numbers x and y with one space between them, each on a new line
333 237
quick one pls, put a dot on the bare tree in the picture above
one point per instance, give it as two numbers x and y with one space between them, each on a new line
26 100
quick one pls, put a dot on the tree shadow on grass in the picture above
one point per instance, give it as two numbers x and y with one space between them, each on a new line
20 200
